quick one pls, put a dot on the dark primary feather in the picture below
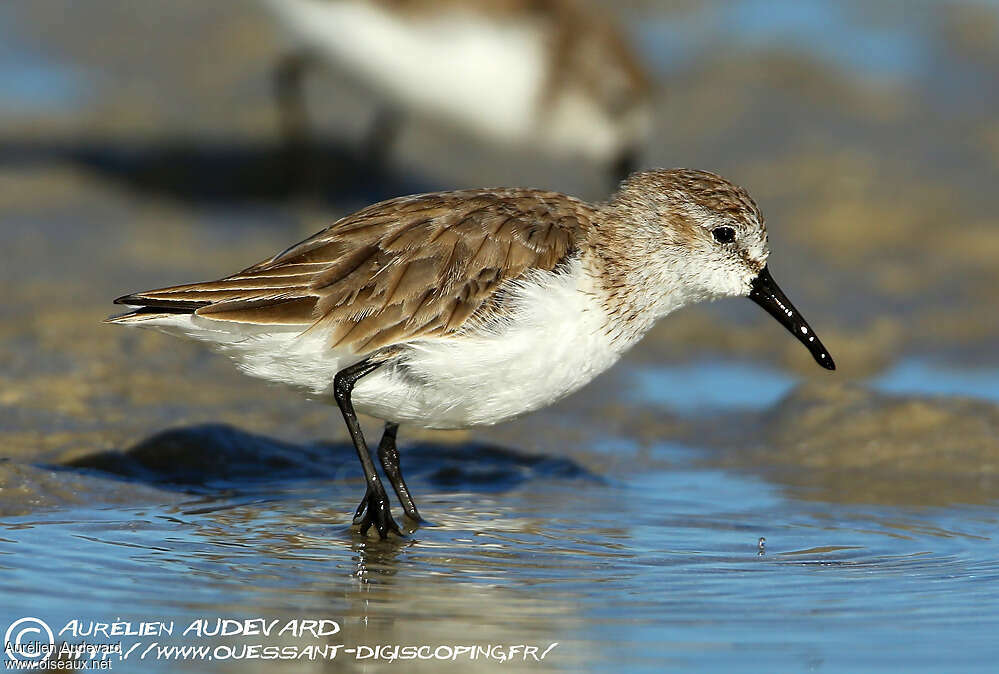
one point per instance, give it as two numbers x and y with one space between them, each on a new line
409 267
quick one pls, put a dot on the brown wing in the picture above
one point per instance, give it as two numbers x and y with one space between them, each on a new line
409 267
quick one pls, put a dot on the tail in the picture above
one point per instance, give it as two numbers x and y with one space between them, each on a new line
144 308
146 315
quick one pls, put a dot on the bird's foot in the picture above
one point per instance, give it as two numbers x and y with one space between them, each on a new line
374 510
414 517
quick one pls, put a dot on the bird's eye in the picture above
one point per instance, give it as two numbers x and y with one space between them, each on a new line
723 234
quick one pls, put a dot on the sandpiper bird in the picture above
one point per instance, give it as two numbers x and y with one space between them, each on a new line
555 75
454 309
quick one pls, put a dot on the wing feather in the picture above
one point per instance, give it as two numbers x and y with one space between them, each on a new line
411 267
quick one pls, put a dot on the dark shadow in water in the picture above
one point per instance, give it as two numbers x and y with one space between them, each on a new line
207 170
214 457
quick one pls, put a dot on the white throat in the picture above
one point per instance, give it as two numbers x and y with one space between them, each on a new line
634 297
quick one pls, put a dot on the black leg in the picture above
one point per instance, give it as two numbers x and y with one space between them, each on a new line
290 98
389 457
623 166
378 511
382 135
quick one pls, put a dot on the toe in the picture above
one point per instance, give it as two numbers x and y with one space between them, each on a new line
385 524
363 526
359 513
415 517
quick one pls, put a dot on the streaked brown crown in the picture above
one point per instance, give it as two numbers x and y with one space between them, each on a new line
702 188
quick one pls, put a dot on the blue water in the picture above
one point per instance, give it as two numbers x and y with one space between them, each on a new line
880 40
32 79
659 570
921 376
709 386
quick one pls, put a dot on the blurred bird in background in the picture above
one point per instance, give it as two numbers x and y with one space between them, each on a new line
554 76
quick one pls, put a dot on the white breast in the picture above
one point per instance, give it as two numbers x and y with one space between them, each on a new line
551 345
483 73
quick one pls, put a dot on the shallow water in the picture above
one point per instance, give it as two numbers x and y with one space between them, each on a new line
709 386
919 375
641 571
32 81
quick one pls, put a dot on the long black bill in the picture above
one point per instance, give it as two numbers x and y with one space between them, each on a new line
765 292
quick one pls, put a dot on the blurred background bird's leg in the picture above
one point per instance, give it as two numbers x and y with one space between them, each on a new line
381 137
622 166
293 116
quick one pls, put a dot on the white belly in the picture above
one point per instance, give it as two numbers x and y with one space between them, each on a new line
484 74
554 344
